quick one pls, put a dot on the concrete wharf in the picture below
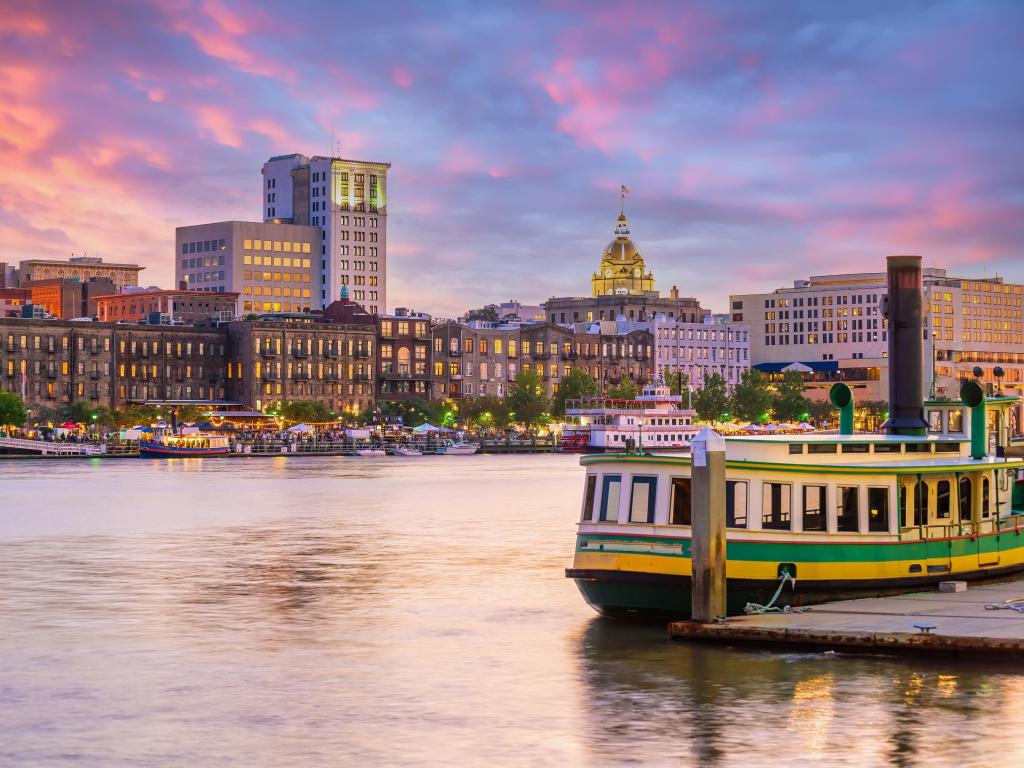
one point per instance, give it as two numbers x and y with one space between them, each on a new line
960 624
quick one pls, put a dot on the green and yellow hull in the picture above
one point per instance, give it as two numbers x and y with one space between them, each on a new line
636 575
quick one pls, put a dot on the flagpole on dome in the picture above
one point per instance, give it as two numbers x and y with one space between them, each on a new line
622 199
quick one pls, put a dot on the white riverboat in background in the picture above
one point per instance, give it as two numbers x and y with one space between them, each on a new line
448 448
655 419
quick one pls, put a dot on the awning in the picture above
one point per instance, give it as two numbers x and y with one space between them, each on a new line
804 366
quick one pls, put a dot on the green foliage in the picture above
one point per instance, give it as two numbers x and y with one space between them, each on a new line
576 385
711 401
80 412
677 382
626 390
440 413
484 412
136 415
306 411
823 411
526 399
12 410
105 417
751 397
874 413
488 313
789 403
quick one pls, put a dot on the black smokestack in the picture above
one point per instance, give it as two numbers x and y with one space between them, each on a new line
903 308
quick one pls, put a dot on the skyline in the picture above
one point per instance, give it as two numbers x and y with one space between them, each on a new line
761 144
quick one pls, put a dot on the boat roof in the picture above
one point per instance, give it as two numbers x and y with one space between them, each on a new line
835 437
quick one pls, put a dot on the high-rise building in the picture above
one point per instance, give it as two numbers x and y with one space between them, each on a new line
272 267
831 327
347 200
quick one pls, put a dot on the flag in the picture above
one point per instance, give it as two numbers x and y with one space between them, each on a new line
625 190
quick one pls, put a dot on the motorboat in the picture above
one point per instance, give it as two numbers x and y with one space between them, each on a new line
449 448
371 452
402 450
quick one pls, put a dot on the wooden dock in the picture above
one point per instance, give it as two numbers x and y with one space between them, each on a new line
939 623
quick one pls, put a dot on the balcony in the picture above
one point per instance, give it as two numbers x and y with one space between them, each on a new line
361 377
361 353
331 353
396 375
541 356
266 377
94 375
300 377
454 353
268 353
301 353
569 355
51 374
331 377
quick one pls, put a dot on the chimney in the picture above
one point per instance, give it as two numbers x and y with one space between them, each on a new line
674 293
903 309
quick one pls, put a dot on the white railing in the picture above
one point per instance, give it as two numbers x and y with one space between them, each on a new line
46 448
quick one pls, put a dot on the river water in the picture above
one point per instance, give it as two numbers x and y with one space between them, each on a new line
342 611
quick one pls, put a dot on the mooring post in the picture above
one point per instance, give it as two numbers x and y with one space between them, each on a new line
707 552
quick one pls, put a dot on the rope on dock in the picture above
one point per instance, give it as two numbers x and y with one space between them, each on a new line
757 608
1015 604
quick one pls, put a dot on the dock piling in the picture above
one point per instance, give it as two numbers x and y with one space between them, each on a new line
708 526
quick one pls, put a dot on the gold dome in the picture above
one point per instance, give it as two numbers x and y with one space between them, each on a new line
622 268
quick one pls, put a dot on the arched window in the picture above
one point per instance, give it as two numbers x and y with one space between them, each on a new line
403 360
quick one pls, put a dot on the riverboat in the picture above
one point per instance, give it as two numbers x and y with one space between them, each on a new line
826 516
653 419
184 446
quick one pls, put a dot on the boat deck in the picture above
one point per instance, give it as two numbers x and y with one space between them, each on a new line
960 624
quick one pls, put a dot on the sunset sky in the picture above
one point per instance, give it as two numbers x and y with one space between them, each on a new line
762 141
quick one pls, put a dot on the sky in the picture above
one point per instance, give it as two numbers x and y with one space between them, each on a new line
762 141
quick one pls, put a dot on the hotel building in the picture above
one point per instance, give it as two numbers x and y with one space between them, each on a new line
347 201
272 267
81 268
696 350
830 327
403 356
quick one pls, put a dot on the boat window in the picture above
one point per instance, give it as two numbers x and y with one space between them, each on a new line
942 499
855 448
814 508
847 509
947 447
878 510
641 502
682 510
920 502
935 421
736 503
796 447
956 420
822 448
985 511
888 447
776 506
610 490
919 447
588 497
965 491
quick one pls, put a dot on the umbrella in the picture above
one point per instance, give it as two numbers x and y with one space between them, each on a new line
786 425
770 427
805 427
425 428
750 428
143 429
69 425
301 428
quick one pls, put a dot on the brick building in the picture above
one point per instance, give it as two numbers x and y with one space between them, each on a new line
403 356
68 298
185 306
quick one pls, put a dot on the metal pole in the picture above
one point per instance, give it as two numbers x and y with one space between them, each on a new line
708 554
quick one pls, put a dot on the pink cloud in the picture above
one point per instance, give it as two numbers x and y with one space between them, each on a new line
401 77
219 125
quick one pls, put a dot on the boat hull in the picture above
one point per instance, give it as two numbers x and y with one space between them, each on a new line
157 451
649 577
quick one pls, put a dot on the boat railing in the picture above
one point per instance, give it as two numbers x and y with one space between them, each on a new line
960 529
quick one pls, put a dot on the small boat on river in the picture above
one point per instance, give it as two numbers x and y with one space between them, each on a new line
402 450
371 452
172 446
826 516
449 448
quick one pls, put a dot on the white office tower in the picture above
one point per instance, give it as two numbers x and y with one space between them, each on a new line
347 200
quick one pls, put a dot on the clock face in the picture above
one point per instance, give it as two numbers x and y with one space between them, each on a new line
607 273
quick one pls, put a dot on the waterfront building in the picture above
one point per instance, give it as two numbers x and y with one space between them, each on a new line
52 362
404 356
66 298
716 345
481 358
179 307
347 201
81 268
623 287
830 327
327 358
272 267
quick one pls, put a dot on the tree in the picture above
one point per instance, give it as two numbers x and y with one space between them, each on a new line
626 390
578 384
136 415
711 401
105 417
677 382
488 313
306 411
526 399
751 397
80 412
12 411
823 412
789 403
484 412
